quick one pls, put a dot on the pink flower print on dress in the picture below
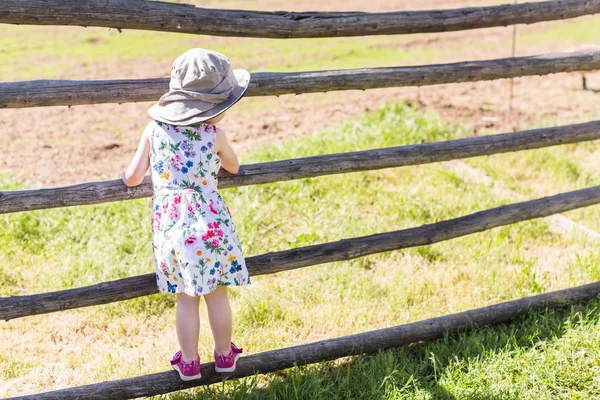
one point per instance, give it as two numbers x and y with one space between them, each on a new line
190 241
214 244
163 268
212 208
205 237
220 234
177 199
176 162
156 220
173 215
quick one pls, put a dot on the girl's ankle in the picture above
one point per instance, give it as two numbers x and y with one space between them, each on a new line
223 353
187 360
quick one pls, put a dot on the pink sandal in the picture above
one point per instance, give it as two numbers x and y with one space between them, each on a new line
187 371
226 362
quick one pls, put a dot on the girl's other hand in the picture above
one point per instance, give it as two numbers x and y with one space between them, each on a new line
229 160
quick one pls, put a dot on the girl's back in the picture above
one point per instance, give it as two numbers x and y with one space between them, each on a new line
183 157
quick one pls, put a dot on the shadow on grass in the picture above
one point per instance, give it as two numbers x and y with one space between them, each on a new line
454 366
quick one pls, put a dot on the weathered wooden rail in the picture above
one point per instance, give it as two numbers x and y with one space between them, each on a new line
310 167
330 349
185 18
345 249
67 93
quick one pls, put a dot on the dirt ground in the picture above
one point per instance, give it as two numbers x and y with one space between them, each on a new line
59 145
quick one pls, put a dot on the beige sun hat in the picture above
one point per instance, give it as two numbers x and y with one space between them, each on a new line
202 86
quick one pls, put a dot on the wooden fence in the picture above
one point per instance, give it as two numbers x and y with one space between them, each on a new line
69 93
151 15
160 16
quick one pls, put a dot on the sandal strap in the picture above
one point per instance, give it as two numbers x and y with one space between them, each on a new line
176 358
235 349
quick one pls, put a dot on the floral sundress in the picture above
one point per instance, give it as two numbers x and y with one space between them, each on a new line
195 244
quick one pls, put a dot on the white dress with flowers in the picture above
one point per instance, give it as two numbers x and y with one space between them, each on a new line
194 240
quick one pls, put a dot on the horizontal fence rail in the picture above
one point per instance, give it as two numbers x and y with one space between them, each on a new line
345 249
310 167
67 93
184 18
330 349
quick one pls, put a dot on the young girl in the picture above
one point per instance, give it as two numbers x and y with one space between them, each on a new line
196 248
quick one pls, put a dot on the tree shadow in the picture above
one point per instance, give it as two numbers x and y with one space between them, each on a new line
421 369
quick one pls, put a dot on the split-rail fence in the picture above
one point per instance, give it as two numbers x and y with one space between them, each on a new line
168 17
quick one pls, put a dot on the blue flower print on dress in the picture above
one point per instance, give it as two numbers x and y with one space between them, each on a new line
160 167
184 170
203 149
189 164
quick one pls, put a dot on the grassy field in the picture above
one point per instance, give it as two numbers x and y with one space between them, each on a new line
74 53
551 354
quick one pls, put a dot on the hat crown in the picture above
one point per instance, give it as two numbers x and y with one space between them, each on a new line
199 68
202 86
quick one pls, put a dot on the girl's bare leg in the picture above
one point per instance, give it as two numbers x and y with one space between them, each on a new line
219 315
188 326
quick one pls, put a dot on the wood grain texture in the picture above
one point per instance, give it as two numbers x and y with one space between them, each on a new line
185 18
345 249
67 93
330 349
254 174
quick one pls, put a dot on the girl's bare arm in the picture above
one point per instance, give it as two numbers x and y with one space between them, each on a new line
134 174
229 160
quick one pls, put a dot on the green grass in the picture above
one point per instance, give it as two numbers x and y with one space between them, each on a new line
85 51
572 32
73 49
56 249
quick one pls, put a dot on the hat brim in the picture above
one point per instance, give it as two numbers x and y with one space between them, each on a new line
167 114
